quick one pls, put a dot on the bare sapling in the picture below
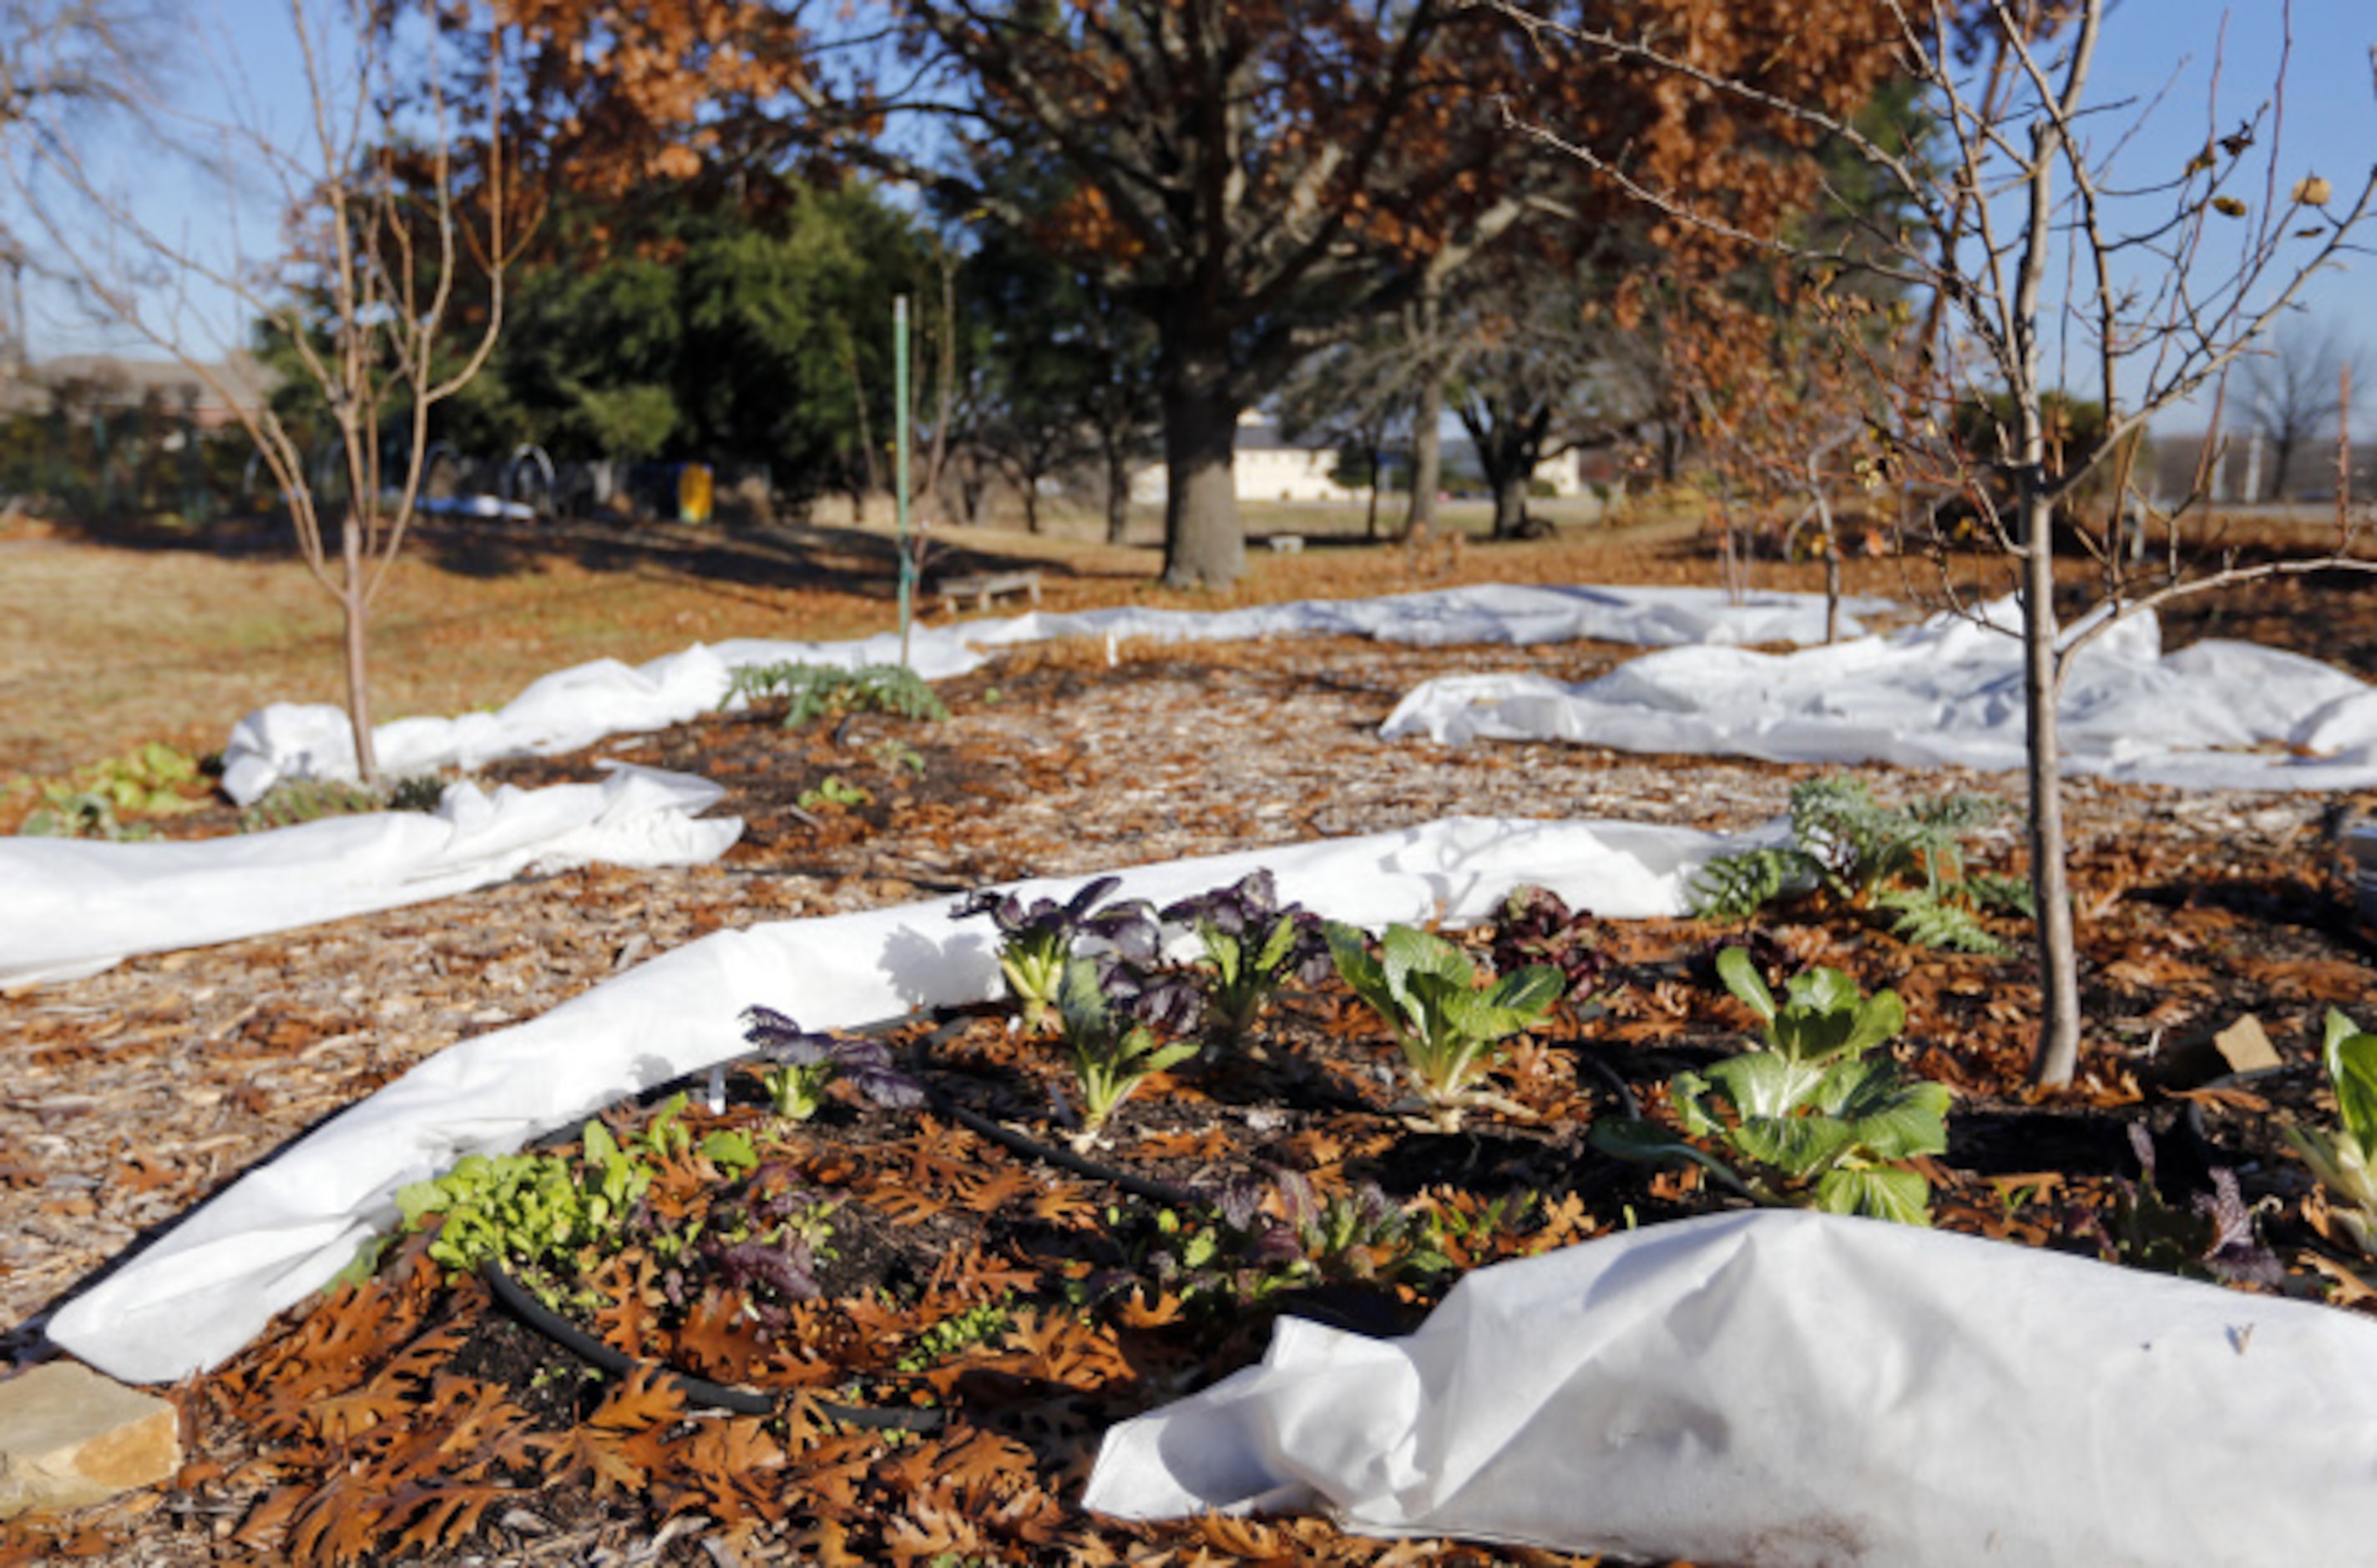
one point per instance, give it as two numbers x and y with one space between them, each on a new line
381 295
2050 281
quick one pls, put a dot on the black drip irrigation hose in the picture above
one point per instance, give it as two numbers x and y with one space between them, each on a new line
522 1304
1007 1138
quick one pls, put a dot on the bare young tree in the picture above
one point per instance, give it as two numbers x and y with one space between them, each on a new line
385 234
2292 392
2033 249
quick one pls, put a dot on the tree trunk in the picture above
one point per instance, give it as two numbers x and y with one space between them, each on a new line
1117 494
1378 476
355 616
1511 506
2059 953
1204 543
1427 414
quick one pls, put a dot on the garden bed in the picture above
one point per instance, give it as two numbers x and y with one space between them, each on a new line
415 1415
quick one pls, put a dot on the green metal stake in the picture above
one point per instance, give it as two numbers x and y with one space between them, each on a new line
900 466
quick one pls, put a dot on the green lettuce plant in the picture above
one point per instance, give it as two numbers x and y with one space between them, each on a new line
2342 1158
105 800
1811 1120
1449 1029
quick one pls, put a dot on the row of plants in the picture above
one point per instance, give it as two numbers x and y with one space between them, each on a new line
122 798
1813 1117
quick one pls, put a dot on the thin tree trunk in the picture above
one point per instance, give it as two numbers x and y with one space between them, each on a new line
2059 950
354 615
1205 543
1427 414
1370 513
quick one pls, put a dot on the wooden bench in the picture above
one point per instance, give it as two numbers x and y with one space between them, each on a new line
985 587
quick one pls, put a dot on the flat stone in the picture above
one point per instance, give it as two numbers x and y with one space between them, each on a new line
69 1438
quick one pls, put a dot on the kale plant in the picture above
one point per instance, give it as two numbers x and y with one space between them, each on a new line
811 691
1424 989
1252 944
293 801
1036 940
801 1064
2345 1159
1810 1119
1120 1026
1905 861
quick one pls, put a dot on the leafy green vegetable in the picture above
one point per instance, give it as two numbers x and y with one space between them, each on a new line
2341 1159
811 691
1905 861
1252 944
803 1063
95 801
1112 1022
1036 940
833 790
1809 1119
1449 1030
306 800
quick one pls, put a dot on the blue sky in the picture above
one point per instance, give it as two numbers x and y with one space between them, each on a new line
2170 49
2177 50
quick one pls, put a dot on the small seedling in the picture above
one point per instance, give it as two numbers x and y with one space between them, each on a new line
1119 1028
834 790
802 1064
1252 944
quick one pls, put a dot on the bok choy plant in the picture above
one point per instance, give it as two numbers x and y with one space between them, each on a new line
1036 940
2341 1159
1811 1120
1252 944
802 1063
1426 991
1119 1027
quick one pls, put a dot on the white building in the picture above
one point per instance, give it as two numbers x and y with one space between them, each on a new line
1269 467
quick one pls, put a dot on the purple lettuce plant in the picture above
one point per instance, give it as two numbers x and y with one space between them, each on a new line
1252 944
1537 927
804 1062
1036 940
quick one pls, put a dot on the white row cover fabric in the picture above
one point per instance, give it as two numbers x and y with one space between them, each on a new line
577 707
1786 1390
1948 693
76 907
283 1229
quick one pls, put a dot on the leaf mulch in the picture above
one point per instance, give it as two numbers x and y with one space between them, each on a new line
987 1313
